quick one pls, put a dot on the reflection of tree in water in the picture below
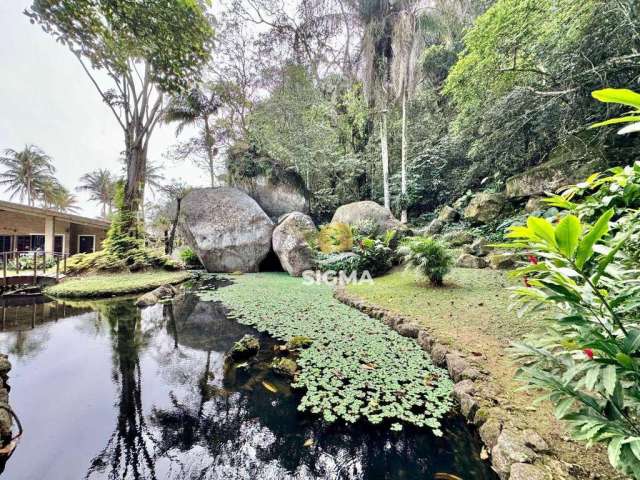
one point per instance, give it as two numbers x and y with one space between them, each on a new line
128 452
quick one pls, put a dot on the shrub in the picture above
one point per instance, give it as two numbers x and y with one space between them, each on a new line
427 256
587 357
190 258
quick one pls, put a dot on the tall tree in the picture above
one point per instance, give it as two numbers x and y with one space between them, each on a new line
197 108
27 172
101 185
55 196
377 54
146 49
176 191
406 45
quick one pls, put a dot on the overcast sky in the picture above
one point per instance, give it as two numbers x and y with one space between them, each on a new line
47 100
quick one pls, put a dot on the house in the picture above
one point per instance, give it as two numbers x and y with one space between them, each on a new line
24 228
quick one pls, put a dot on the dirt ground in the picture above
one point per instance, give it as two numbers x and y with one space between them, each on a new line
473 313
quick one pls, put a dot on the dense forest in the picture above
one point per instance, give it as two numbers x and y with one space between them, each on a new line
454 95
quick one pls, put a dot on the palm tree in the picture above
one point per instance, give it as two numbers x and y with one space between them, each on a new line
101 185
406 45
55 196
376 19
197 108
26 172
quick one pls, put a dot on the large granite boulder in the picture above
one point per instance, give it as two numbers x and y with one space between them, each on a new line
291 243
226 228
484 207
448 214
561 170
367 211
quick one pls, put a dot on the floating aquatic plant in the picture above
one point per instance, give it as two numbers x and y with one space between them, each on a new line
356 367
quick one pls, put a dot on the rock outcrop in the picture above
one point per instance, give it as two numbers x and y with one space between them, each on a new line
291 243
448 214
484 207
367 211
227 229
467 260
154 296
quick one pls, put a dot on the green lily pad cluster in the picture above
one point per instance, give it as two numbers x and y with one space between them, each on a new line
356 368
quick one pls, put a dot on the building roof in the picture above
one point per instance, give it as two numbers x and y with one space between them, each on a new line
45 212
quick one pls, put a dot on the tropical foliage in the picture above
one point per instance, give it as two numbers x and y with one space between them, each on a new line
428 257
585 270
101 186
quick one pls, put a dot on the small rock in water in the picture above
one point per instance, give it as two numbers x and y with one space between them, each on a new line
246 347
284 367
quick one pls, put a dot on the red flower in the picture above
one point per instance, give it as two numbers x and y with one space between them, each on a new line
533 259
589 353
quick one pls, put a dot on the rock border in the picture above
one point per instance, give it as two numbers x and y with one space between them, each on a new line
515 453
6 418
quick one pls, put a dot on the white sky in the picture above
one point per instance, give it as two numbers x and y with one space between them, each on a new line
46 99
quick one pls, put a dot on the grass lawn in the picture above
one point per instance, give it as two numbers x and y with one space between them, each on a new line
472 313
94 286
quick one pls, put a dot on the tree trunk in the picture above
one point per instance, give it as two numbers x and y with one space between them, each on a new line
134 189
172 236
209 143
385 159
403 180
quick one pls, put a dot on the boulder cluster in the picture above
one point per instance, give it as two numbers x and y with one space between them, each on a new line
232 231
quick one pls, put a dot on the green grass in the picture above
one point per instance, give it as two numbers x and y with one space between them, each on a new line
469 299
95 286
356 367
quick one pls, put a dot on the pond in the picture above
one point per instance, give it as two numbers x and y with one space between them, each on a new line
105 390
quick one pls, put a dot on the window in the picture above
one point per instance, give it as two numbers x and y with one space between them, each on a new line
23 243
37 242
5 243
86 243
58 244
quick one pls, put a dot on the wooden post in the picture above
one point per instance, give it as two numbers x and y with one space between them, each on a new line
57 268
17 257
35 268
44 262
64 264
4 269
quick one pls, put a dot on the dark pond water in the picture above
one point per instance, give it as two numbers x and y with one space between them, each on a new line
106 391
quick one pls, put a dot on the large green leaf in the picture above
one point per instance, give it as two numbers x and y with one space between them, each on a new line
585 249
623 96
614 121
567 235
609 379
543 230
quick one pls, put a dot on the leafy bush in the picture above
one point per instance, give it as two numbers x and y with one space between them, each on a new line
427 256
588 356
190 258
26 262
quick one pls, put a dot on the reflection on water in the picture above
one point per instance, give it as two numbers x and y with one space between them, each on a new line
107 391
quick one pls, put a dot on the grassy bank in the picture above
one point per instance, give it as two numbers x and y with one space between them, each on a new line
96 286
472 313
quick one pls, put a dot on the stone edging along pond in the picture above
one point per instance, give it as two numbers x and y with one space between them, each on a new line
515 453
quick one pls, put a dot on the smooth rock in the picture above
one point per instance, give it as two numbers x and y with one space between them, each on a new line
468 406
510 449
455 365
246 347
484 207
367 211
478 248
502 261
467 260
533 440
448 214
154 296
490 431
425 340
526 471
438 354
435 226
291 243
284 367
466 387
410 330
457 238
227 229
